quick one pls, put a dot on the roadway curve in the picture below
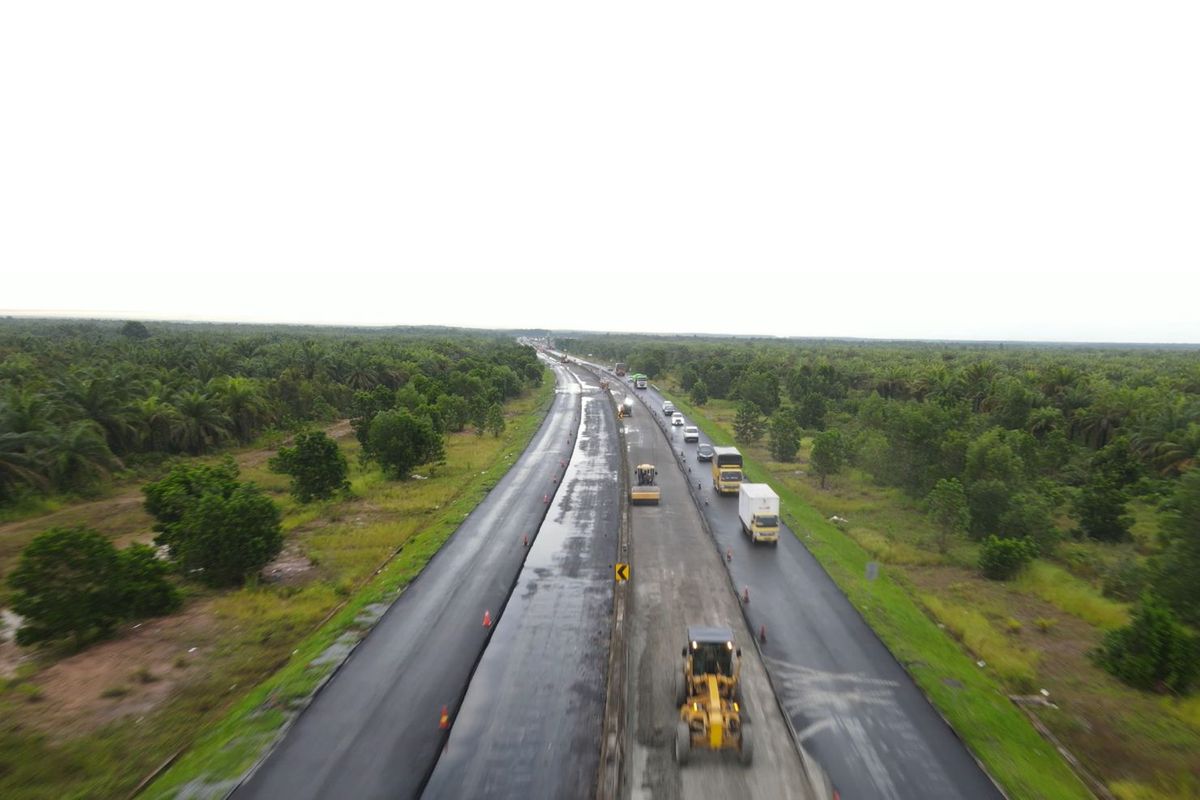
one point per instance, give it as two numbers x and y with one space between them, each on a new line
853 706
530 723
678 579
372 732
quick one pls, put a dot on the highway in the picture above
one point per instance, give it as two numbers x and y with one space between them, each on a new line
530 724
852 705
678 579
373 731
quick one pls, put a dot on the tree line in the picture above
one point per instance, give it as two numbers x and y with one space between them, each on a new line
80 401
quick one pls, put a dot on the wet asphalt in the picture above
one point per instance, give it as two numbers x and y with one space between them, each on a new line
373 731
852 705
530 724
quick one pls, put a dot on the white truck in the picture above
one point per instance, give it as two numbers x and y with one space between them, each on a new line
758 510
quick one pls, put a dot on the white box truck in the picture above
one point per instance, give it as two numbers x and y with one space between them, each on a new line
758 510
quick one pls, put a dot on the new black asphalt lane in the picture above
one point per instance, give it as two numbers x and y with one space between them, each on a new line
530 724
373 731
853 706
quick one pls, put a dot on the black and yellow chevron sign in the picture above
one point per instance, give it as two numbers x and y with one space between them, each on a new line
621 572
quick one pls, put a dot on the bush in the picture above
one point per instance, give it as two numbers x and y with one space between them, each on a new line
317 467
1002 559
784 436
223 540
1153 651
699 393
142 584
73 582
1124 580
169 499
64 586
399 441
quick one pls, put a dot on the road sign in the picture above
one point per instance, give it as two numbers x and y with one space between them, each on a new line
621 572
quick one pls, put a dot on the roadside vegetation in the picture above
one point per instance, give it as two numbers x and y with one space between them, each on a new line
1040 504
127 654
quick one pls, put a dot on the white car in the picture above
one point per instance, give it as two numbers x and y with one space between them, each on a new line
677 418
691 434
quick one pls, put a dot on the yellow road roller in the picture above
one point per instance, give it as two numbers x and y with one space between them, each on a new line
709 695
644 490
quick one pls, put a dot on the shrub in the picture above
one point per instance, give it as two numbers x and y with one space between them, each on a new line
169 499
317 467
142 585
1152 651
399 441
1045 624
1002 559
64 586
224 540
1124 580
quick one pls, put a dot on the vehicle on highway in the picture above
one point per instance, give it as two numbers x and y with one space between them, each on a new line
620 369
727 469
704 452
645 490
691 434
668 408
639 381
758 511
708 693
677 419
626 407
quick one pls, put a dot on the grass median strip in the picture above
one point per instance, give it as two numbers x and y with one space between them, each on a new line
970 697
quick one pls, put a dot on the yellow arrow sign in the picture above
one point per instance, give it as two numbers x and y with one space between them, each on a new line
622 572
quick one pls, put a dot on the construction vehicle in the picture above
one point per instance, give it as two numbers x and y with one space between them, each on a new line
644 490
758 510
708 692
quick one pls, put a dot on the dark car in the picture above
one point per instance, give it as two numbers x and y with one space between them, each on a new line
704 452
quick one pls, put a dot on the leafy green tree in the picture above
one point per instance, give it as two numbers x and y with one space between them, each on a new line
810 411
453 411
1152 651
142 586
222 540
1030 516
829 454
1100 509
135 330
202 424
748 425
1177 568
760 387
169 499
951 515
64 585
784 436
988 500
1002 559
317 467
244 404
495 420
699 392
400 441
364 408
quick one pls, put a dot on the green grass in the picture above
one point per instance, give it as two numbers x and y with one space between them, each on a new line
971 698
235 689
1063 590
1017 666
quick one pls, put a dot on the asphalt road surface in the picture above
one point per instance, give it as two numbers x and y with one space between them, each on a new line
530 724
678 579
373 731
854 708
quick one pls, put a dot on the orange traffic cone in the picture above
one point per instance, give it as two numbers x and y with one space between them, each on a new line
444 720
487 618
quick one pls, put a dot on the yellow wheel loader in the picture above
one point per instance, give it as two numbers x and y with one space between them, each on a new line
644 490
708 692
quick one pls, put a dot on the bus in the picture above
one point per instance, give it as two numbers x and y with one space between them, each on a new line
727 470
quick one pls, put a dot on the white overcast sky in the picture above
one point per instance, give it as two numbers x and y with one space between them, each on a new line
1015 170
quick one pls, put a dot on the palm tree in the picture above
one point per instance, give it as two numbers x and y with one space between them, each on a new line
159 423
18 467
977 381
242 401
77 454
106 402
202 425
1178 453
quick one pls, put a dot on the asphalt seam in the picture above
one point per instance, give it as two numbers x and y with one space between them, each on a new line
281 733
